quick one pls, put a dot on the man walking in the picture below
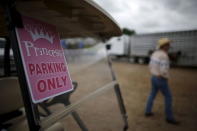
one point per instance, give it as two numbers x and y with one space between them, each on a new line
159 67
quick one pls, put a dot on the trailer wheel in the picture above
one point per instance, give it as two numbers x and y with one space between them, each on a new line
131 60
147 60
136 59
141 60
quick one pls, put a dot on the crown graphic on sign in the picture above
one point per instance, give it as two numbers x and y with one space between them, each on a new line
40 33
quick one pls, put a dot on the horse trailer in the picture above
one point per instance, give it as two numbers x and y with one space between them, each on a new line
183 47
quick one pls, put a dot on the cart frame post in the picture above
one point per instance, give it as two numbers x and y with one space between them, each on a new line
118 92
13 20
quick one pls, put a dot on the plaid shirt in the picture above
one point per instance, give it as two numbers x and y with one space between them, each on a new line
159 64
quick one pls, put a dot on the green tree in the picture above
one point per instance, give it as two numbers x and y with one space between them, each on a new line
129 32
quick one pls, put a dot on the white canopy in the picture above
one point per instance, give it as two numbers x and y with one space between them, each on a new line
73 18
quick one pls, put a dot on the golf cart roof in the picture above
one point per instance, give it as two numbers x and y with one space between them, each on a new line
73 18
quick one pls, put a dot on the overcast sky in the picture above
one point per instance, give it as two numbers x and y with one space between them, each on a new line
153 15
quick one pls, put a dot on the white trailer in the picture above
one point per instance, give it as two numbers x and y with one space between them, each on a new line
119 46
184 44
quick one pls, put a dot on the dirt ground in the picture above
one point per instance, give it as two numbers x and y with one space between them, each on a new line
102 113
135 86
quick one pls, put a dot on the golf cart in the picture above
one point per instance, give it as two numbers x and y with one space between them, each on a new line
76 18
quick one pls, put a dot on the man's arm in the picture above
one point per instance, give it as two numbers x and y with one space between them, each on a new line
164 68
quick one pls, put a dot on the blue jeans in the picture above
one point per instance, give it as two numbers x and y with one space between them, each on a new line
160 84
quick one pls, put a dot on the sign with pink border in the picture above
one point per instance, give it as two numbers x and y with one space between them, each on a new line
43 60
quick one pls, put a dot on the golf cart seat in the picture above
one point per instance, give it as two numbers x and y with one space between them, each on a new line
11 115
10 98
10 101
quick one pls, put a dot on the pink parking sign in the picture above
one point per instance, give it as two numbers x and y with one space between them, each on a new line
43 60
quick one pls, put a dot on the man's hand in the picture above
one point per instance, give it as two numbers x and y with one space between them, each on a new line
162 77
